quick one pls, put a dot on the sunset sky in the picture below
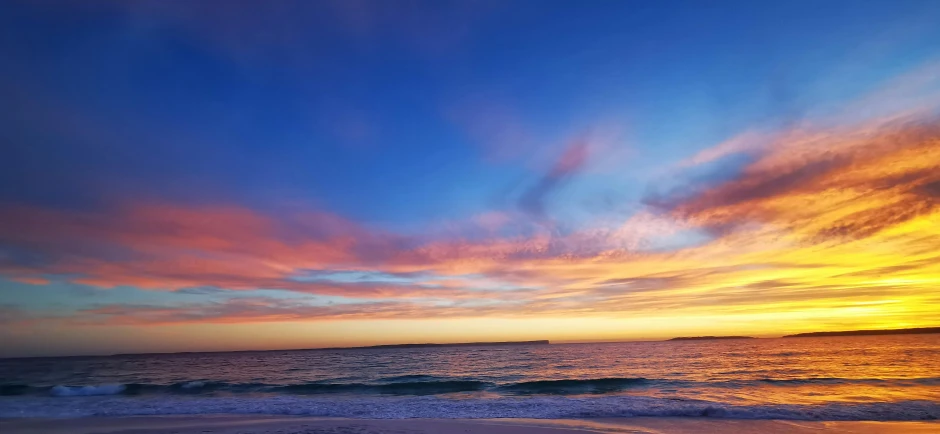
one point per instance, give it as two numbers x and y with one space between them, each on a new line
183 176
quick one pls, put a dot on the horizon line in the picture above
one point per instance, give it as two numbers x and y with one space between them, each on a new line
849 333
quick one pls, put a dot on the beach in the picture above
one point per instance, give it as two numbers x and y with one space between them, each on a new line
228 424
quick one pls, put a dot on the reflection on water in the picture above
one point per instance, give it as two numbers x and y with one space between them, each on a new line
756 371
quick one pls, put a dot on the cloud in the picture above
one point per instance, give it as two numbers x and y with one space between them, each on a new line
156 245
841 223
202 249
750 142
32 280
571 161
263 310
829 184
14 318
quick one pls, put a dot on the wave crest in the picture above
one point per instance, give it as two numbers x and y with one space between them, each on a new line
400 388
427 385
104 389
565 387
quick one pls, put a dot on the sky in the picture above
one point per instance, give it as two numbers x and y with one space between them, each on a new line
191 176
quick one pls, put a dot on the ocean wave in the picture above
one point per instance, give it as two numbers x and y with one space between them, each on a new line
105 389
193 385
395 407
565 387
14 389
926 381
429 385
412 377
399 388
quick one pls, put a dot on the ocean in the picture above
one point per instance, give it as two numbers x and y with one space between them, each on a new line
822 378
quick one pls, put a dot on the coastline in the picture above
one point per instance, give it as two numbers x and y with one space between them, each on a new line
234 424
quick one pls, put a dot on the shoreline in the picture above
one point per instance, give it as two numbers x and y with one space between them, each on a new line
237 424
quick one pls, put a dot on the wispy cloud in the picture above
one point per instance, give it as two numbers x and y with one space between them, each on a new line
572 160
838 223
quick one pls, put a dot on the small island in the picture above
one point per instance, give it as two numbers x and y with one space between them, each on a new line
911 331
709 338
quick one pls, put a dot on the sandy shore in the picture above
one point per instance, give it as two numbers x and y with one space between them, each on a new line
224 424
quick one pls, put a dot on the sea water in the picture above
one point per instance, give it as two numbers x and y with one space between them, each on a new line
820 378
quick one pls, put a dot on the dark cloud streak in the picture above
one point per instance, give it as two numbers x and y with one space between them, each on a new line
572 161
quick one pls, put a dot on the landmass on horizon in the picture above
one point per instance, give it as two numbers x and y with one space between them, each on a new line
906 331
367 347
909 331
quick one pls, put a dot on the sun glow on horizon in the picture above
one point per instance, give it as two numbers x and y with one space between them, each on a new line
280 194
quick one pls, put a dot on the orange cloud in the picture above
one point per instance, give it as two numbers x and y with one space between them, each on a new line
824 185
824 229
32 280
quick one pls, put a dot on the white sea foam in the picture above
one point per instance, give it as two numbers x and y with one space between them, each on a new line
438 407
104 389
193 385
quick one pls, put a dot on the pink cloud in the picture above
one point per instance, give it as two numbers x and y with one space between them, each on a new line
747 143
161 246
784 221
493 220
267 310
31 280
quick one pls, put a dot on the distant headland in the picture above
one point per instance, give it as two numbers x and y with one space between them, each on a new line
391 346
911 331
462 344
708 338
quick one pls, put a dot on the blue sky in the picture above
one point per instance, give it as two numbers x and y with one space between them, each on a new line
193 98
412 122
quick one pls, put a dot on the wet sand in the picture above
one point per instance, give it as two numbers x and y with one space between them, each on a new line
226 424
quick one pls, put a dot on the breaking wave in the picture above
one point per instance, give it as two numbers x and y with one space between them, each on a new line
106 389
565 387
399 388
429 385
